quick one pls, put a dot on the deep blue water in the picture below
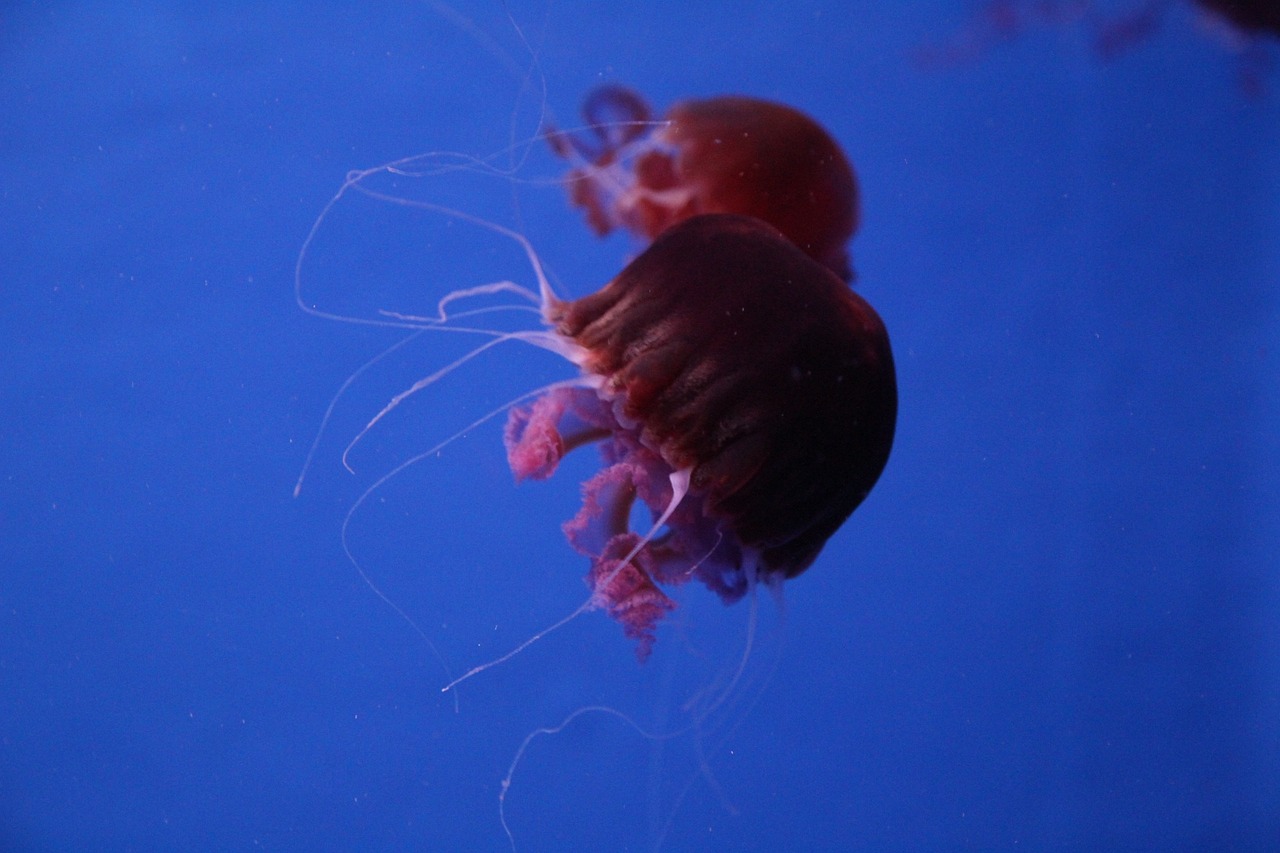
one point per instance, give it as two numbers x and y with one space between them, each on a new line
1053 625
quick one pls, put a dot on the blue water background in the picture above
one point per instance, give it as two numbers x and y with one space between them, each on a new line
1055 624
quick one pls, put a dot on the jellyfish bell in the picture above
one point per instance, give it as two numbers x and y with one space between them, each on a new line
728 154
738 389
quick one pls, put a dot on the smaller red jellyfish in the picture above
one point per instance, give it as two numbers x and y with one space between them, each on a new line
738 389
720 155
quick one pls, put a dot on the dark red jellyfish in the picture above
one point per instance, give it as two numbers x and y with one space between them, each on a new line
738 389
720 155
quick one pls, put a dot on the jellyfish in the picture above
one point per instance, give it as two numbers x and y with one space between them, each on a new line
728 154
1114 32
1250 16
738 389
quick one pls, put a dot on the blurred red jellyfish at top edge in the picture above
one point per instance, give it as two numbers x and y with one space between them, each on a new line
737 388
1253 16
1241 24
727 154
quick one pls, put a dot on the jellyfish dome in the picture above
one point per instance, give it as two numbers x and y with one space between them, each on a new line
729 154
737 388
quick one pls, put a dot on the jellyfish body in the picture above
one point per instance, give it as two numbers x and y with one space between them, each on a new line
739 389
720 155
